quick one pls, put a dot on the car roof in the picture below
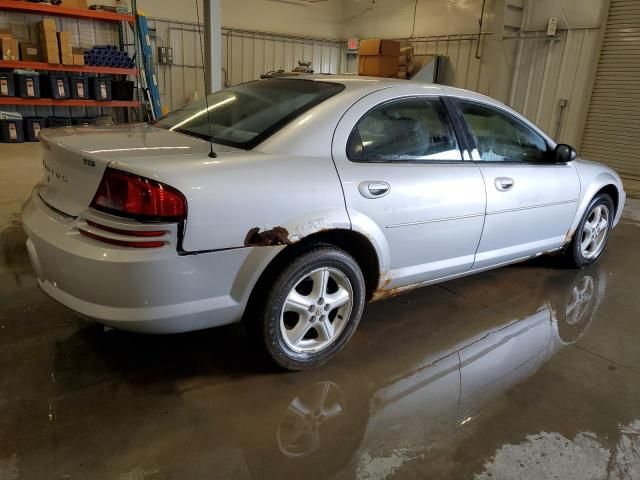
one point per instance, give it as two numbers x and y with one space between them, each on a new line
370 84
351 82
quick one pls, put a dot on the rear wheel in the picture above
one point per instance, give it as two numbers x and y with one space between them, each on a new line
592 233
312 309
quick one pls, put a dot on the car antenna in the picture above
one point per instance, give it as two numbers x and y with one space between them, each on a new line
212 154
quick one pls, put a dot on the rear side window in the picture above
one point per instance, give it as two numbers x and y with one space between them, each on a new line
411 129
245 115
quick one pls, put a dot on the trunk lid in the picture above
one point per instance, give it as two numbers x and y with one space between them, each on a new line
74 159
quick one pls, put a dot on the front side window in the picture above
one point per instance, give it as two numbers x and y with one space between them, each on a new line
500 137
244 115
404 130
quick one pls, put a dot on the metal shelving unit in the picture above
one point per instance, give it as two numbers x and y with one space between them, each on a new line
51 102
96 15
46 9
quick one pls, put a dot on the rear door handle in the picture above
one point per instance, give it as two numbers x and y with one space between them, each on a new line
504 183
374 189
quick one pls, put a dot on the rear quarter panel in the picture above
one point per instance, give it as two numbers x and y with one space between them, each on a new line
232 195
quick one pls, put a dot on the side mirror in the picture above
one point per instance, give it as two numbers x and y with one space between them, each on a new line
564 153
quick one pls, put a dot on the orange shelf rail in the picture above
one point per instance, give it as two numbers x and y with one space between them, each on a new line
52 102
66 68
46 9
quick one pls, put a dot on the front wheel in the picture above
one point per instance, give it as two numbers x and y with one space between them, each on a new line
592 233
312 309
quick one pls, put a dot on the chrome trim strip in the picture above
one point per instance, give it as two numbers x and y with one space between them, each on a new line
532 206
422 222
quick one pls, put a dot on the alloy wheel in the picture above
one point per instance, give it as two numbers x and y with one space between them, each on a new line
316 310
594 232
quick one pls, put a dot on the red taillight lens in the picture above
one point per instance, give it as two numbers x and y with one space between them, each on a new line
126 194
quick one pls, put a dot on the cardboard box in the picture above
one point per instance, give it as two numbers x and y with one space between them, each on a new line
78 55
402 75
65 49
48 24
30 52
10 49
378 65
402 60
50 52
64 37
80 4
378 46
402 69
48 36
408 51
66 58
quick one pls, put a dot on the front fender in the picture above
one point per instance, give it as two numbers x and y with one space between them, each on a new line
594 177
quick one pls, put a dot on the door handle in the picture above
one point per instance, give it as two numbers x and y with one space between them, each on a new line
504 184
374 189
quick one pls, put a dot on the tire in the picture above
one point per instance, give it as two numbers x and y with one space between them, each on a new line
294 325
576 255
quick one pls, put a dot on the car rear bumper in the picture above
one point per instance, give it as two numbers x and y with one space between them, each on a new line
147 290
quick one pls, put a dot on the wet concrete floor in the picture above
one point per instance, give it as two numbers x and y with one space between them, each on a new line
526 372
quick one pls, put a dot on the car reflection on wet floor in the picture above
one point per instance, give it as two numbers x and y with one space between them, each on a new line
495 374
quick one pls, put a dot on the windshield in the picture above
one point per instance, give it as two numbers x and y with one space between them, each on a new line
245 115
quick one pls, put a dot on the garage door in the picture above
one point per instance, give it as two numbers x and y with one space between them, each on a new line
612 132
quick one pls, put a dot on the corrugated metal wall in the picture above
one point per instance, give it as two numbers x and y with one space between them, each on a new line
611 132
461 68
245 56
544 70
551 70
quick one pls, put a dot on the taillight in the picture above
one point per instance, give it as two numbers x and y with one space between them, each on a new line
122 243
125 194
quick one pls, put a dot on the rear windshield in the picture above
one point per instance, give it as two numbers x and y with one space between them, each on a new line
245 115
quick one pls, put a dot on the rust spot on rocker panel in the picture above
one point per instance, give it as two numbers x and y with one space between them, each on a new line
382 294
384 291
275 236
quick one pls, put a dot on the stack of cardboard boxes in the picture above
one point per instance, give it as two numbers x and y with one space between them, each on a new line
56 46
9 46
406 62
64 44
49 41
378 57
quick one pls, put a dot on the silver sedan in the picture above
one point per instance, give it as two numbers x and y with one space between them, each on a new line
287 203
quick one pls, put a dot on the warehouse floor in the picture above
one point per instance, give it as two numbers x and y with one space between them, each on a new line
529 371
